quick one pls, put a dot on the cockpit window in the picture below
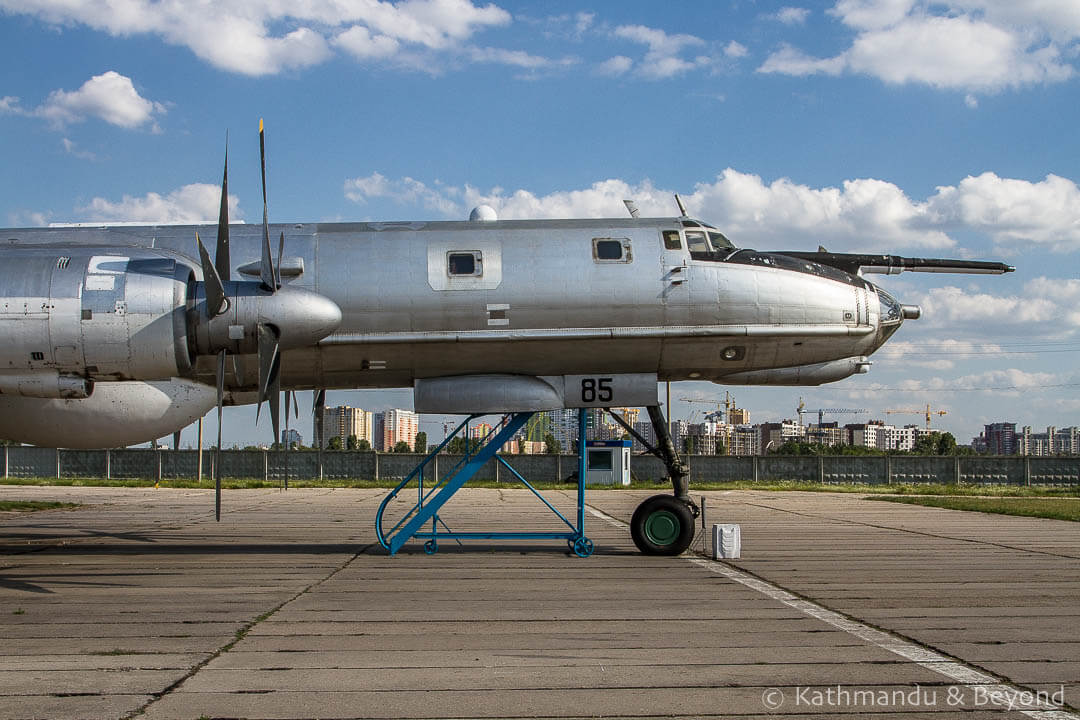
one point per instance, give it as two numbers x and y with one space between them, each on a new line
695 240
672 240
719 242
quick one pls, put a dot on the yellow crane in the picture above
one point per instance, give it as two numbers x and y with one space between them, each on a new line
909 411
726 406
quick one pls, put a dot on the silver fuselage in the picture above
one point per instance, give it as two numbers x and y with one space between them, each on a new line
545 297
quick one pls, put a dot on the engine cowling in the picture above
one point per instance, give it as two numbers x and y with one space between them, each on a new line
97 313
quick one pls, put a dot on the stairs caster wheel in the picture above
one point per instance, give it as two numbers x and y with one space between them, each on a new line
583 547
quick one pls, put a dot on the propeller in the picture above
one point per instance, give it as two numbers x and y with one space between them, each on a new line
261 317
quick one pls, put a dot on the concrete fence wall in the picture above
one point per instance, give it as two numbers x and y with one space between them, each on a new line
274 464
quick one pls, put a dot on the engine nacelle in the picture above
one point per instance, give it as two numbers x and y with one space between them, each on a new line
115 415
816 374
99 313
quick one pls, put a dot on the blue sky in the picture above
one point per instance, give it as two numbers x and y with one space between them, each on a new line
943 129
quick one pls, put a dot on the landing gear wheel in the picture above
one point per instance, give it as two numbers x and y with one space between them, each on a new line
583 547
431 547
662 525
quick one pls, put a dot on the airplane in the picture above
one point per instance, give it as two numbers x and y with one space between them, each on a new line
116 335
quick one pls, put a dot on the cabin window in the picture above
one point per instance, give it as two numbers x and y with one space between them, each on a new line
695 240
465 263
672 240
612 250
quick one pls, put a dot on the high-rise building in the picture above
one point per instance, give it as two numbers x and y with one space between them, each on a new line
998 439
738 416
1055 441
398 426
291 437
343 422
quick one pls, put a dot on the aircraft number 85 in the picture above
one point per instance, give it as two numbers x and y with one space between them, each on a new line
596 390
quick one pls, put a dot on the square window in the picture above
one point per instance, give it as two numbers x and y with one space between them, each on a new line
615 250
464 263
672 240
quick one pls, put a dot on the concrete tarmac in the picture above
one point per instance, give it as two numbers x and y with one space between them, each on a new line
139 604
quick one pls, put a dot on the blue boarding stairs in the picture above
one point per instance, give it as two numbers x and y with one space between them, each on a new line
433 492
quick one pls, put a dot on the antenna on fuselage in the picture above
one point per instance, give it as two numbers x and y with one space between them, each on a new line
679 202
631 208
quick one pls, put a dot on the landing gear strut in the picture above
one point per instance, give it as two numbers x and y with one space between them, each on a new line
664 524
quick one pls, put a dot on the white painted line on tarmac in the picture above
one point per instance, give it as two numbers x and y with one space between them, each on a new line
996 692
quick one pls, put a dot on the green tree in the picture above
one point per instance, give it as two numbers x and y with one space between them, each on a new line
420 442
350 442
334 443
362 445
551 445
402 447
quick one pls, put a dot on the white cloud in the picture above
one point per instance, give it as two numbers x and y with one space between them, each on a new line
515 58
615 66
934 354
791 15
970 45
405 191
792 61
1013 211
191 204
863 215
360 43
662 60
111 97
735 50
1036 311
262 37
72 148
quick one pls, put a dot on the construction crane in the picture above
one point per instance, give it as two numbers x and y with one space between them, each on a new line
723 409
908 411
821 412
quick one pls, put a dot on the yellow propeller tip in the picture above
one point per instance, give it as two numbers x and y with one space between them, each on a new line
260 125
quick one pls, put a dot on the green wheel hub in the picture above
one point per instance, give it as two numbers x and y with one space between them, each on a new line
662 527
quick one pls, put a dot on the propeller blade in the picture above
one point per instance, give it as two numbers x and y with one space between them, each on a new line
221 257
215 290
269 364
277 268
296 405
274 400
267 266
318 409
217 449
287 442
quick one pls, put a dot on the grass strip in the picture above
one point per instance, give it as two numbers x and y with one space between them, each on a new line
32 506
1053 508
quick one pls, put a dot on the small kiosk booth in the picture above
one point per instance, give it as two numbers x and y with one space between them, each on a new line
607 462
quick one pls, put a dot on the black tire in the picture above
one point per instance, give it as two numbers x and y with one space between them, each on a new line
662 525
